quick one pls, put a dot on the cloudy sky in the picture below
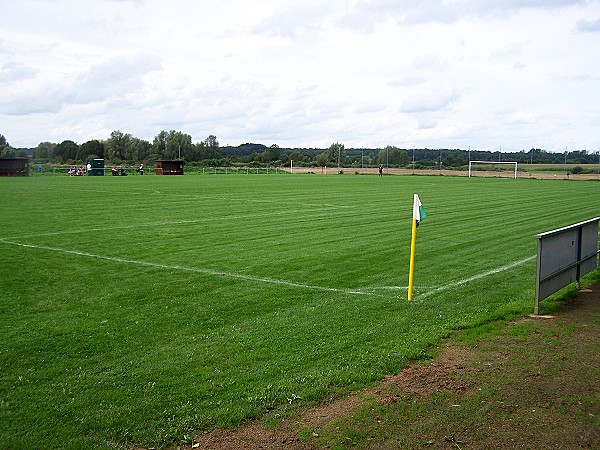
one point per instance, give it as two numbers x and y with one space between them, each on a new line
489 74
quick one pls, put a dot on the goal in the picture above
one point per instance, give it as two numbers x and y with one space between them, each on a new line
497 167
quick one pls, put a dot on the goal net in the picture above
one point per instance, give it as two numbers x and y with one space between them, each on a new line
493 168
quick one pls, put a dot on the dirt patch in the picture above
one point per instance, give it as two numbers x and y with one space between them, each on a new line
419 380
535 384
250 437
439 375
444 172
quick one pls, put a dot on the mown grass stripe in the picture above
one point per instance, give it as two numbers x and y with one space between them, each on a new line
229 217
146 353
487 273
186 269
368 291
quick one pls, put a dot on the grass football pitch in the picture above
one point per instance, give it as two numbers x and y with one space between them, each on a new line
143 309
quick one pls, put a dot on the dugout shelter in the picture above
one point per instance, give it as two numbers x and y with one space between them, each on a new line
169 167
14 167
97 167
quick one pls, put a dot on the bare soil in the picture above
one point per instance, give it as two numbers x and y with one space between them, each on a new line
445 172
533 383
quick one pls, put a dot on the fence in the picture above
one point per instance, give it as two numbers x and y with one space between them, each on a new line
43 169
564 256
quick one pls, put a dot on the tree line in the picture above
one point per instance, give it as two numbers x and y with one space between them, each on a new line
123 148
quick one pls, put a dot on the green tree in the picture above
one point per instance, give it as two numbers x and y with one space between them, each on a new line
392 155
273 153
66 151
90 150
44 151
178 144
577 169
197 152
336 153
159 145
298 157
6 150
172 145
322 159
116 146
205 150
138 150
212 147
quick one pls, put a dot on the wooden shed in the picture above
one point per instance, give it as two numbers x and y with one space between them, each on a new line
14 167
169 167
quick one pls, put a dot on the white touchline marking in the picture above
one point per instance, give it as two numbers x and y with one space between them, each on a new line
475 277
217 273
239 276
396 288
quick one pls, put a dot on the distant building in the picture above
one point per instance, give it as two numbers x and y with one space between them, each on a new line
14 167
169 167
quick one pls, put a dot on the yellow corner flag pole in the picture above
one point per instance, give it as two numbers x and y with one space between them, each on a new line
418 215
413 241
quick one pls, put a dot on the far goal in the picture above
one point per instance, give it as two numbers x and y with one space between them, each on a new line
493 168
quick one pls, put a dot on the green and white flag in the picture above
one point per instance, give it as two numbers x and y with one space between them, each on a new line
418 210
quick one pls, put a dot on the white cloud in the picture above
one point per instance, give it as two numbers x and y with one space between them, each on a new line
303 73
430 101
588 26
15 71
117 77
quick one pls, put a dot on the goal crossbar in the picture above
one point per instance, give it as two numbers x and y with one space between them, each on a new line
515 163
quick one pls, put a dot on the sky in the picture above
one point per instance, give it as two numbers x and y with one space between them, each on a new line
494 75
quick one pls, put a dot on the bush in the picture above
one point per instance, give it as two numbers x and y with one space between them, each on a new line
577 169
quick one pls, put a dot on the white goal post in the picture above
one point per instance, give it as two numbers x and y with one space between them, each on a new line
512 163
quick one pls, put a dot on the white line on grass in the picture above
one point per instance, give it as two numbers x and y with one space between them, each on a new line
216 273
435 290
474 277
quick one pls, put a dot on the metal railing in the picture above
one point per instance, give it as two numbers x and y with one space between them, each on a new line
564 256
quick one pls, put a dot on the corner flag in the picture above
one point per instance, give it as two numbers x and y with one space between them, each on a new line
418 215
418 210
